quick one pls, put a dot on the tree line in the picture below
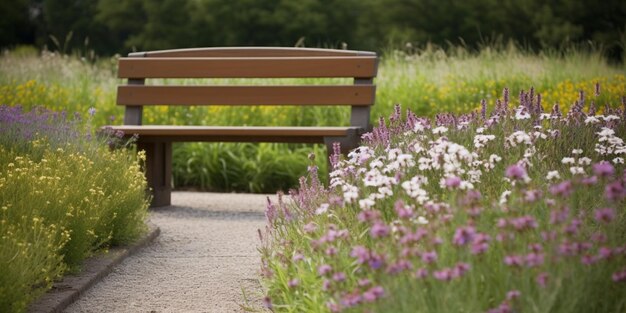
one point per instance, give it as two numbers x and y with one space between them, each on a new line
109 27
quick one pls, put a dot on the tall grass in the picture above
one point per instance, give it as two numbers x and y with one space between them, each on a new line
427 81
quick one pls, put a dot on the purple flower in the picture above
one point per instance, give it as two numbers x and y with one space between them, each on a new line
297 257
563 189
534 259
460 269
480 244
513 294
310 228
605 215
502 308
524 223
513 260
463 235
324 269
403 210
339 276
376 261
421 273
399 266
615 191
516 172
293 283
373 294
542 279
443 275
92 111
453 182
333 307
605 252
267 302
330 251
619 276
429 257
379 229
364 282
603 169
361 253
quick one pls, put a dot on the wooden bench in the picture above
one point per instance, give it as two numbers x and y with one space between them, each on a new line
249 62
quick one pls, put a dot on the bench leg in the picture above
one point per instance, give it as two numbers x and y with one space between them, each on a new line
158 171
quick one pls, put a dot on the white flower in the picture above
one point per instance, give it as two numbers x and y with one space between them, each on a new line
480 130
611 118
494 158
366 204
584 161
591 120
418 127
481 140
545 116
577 151
553 175
618 160
568 160
505 196
322 209
576 170
606 132
440 130
350 193
421 220
521 114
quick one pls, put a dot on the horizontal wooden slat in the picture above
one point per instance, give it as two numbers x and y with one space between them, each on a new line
250 52
297 67
234 134
246 95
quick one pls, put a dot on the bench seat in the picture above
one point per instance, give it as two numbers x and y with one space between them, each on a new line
164 133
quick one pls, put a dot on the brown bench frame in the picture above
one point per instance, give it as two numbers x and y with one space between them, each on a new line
241 62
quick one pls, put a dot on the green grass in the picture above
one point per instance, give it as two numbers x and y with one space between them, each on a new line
428 81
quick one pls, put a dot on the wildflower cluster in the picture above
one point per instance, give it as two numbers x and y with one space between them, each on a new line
509 211
63 194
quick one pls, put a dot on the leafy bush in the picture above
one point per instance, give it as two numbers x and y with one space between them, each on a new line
63 195
514 211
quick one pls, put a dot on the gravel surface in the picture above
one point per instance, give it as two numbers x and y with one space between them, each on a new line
204 260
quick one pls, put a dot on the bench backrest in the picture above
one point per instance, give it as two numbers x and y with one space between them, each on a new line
249 62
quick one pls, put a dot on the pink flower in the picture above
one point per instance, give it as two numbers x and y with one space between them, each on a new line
513 294
615 191
364 282
534 259
513 260
324 269
330 251
443 275
542 279
453 182
361 253
460 269
421 273
402 210
297 257
429 257
373 294
463 235
379 229
603 169
605 215
339 276
293 283
619 276
516 172
310 227
563 189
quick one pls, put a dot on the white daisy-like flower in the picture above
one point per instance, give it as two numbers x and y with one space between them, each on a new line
577 151
584 161
568 160
440 130
618 160
577 170
591 120
323 208
505 197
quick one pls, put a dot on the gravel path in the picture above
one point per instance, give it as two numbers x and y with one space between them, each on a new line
203 259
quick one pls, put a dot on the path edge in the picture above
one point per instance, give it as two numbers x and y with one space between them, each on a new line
69 289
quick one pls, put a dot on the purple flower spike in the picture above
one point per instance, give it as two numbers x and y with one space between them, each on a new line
605 215
603 169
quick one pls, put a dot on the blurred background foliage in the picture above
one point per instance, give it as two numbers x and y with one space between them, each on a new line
104 27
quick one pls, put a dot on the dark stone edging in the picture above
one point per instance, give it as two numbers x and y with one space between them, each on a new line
69 289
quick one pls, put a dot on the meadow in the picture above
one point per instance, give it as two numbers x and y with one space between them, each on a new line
63 196
520 208
427 81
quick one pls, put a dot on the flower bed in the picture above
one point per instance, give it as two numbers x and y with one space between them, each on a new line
519 210
63 195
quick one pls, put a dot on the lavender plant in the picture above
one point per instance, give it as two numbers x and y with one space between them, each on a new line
516 210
